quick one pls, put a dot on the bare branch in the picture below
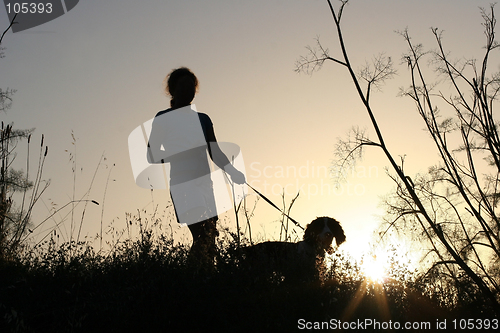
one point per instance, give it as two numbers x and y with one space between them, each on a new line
376 73
315 59
10 25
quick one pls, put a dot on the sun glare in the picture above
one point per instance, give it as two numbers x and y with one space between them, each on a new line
374 267
380 263
383 263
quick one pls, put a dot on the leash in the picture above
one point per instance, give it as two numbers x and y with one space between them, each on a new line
272 204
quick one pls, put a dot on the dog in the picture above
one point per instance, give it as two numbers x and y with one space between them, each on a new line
302 261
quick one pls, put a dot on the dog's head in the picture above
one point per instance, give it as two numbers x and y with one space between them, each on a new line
320 233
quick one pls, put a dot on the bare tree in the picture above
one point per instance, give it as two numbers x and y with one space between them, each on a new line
453 207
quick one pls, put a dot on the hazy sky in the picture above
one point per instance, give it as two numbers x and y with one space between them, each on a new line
98 72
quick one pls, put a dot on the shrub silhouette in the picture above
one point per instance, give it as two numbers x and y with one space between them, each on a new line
149 285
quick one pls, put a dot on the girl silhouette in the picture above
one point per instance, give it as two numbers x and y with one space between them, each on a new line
191 188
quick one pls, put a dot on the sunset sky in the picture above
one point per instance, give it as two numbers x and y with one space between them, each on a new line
98 72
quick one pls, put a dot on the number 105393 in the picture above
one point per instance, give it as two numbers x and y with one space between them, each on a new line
475 324
29 7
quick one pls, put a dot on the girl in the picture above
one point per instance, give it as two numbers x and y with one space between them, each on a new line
191 188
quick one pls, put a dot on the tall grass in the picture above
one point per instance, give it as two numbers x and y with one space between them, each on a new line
147 284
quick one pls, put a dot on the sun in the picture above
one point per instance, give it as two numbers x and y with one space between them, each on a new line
374 268
392 262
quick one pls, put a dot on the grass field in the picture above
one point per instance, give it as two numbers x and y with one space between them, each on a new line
148 285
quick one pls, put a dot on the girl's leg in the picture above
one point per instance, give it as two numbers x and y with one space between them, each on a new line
204 248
